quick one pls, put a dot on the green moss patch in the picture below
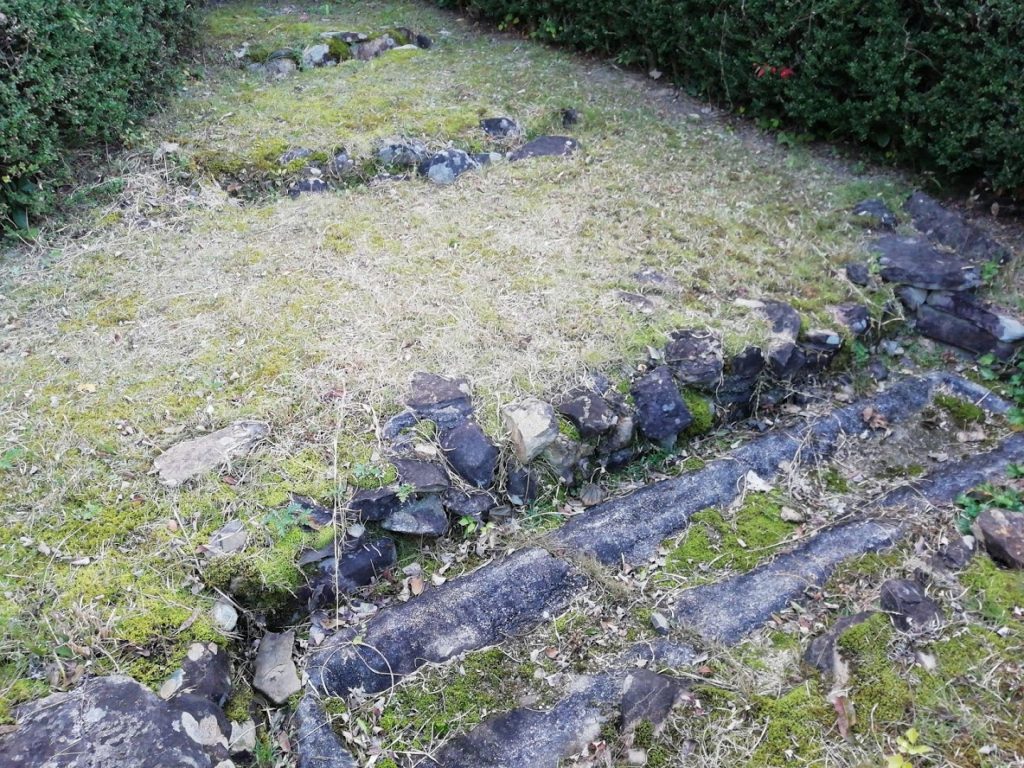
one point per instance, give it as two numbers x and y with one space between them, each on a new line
878 689
794 727
963 413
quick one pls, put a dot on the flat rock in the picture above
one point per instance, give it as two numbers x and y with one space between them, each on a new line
909 607
109 722
1002 533
228 539
588 411
637 301
275 675
695 358
422 476
662 652
422 516
474 504
912 261
205 672
858 273
281 67
446 166
194 457
316 743
445 401
661 413
657 281
875 214
345 568
998 322
373 505
309 513
345 37
853 317
647 696
532 427
473 611
316 55
950 329
470 453
546 146
501 127
952 230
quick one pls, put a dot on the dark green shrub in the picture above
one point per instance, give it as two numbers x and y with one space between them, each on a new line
936 84
74 72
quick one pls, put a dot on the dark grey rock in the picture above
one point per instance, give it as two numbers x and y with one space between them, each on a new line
748 363
570 117
781 353
373 505
1002 533
422 41
875 214
955 555
422 476
785 321
114 721
374 48
953 231
522 486
908 605
444 401
855 317
620 437
619 459
878 369
316 744
818 347
447 165
820 652
340 165
470 453
309 513
661 413
996 321
275 675
647 696
402 153
293 154
398 423
316 56
858 273
280 67
205 672
563 455
313 185
474 504
911 297
473 611
362 561
487 158
658 282
588 411
911 261
546 146
501 127
345 37
421 516
952 330
636 301
695 358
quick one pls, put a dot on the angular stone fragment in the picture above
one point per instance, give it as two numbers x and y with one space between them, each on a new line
955 555
227 539
501 127
908 605
656 281
275 674
854 317
522 485
374 48
661 413
422 476
470 453
344 569
1002 533
950 329
911 261
636 301
446 166
402 153
647 696
293 154
280 67
345 37
205 672
858 273
952 230
695 358
316 743
998 322
588 411
532 427
115 721
373 505
316 55
546 146
474 504
309 513
423 516
193 457
563 455
445 401
874 213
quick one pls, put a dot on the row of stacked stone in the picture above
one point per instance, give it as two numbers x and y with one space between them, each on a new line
937 271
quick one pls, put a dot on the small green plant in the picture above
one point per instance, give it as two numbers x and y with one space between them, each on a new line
10 457
987 496
907 746
405 490
284 519
471 525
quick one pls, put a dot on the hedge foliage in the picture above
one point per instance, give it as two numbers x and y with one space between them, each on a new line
74 72
937 84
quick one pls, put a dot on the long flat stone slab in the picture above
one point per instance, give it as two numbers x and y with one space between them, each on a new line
728 610
474 611
631 528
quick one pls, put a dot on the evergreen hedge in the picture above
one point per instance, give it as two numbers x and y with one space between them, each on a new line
935 84
74 72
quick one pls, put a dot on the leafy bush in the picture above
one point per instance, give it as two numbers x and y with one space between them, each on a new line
75 72
933 83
